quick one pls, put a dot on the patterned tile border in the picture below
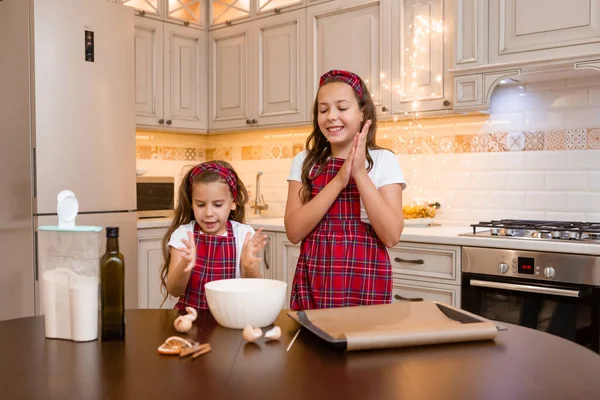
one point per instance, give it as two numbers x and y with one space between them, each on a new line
419 143
568 139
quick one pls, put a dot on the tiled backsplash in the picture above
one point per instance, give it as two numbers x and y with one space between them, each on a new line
536 155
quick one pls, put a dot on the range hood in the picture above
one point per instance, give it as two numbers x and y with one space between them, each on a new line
473 87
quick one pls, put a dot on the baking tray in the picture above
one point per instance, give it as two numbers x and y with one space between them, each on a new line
401 324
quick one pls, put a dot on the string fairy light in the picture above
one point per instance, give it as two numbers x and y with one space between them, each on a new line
416 85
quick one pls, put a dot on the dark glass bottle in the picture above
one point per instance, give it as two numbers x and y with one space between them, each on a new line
112 284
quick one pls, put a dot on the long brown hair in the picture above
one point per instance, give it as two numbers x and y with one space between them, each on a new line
184 214
317 147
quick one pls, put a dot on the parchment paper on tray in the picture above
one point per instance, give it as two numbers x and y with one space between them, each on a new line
402 324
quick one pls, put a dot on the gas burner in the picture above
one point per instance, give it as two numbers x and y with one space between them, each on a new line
571 235
541 230
541 234
511 232
593 235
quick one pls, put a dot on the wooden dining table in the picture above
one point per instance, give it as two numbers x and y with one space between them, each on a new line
520 363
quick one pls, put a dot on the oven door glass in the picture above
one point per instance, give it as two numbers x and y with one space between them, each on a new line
568 311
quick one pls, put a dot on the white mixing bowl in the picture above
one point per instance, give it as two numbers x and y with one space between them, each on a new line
236 303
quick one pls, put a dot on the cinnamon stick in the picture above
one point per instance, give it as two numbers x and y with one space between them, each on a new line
190 350
203 349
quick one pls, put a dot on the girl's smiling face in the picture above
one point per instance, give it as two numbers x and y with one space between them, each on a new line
339 114
212 202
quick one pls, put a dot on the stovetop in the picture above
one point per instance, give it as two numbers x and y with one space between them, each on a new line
587 232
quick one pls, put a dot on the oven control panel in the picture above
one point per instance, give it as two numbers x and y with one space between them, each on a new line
526 265
532 265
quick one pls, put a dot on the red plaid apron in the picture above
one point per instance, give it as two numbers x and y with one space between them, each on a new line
215 260
342 261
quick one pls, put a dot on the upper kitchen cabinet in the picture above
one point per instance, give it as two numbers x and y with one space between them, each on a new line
256 72
421 55
351 35
525 40
170 75
182 12
530 30
490 32
470 33
229 12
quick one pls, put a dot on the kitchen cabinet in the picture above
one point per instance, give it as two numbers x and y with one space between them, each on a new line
406 290
182 12
150 261
470 33
426 271
268 261
473 92
353 35
523 41
287 258
257 77
421 55
543 29
170 75
426 262
227 12
522 32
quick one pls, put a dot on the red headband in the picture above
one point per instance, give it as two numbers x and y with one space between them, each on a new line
350 78
218 169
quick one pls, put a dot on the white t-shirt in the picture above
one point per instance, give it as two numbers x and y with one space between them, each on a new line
239 232
386 170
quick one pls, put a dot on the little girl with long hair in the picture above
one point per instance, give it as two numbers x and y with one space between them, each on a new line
208 239
344 202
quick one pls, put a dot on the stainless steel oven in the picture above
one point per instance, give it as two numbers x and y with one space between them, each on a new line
155 196
557 293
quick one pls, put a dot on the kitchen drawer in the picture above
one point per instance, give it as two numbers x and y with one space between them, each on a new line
426 262
404 290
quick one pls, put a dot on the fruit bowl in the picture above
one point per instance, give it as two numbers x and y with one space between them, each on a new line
418 222
236 303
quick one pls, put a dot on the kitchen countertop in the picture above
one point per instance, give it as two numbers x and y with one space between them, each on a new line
520 363
447 233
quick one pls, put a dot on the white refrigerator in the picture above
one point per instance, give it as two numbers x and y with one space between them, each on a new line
67 121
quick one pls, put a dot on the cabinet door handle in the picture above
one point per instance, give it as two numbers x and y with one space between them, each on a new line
227 22
161 121
384 109
446 103
248 122
398 297
169 122
402 260
186 23
141 13
265 250
277 10
254 121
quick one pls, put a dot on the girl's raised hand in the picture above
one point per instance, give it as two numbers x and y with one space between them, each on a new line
358 164
188 253
252 245
346 171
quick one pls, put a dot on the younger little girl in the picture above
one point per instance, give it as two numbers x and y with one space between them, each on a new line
208 239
